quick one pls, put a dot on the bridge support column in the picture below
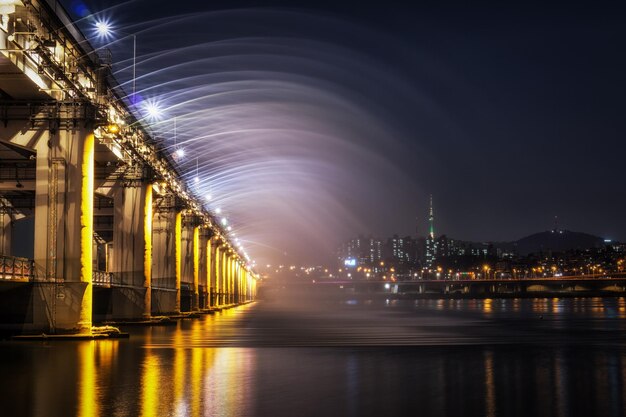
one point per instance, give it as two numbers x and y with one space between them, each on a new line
166 261
63 249
204 267
6 225
132 252
223 275
189 300
217 273
231 276
237 282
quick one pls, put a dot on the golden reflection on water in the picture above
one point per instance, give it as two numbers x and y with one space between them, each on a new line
87 383
487 305
202 381
150 384
95 359
180 363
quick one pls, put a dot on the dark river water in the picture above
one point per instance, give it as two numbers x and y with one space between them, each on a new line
512 357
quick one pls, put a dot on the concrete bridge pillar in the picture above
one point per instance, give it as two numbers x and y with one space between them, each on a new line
166 260
228 276
204 266
5 232
217 273
237 282
132 251
222 276
211 271
229 284
63 251
190 236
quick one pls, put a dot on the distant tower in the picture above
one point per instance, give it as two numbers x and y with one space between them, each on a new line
431 243
431 219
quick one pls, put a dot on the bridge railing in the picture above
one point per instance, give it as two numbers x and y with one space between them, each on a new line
102 278
16 269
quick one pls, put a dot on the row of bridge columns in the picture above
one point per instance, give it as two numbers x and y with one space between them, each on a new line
163 259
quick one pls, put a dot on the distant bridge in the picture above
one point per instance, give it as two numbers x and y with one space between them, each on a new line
117 234
581 285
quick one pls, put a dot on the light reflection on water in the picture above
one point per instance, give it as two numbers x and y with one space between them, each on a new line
426 357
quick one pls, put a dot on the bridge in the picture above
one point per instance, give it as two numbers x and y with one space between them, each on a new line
117 234
578 285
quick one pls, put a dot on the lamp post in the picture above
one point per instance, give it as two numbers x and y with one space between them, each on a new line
105 31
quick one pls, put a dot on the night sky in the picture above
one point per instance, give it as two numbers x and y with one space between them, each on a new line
312 122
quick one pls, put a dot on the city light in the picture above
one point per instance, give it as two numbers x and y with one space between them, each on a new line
180 152
218 210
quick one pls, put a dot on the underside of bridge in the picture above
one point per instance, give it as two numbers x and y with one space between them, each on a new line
95 224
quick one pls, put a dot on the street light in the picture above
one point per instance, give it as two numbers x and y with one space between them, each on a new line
104 30
153 110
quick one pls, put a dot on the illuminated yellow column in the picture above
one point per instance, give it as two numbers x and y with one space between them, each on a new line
178 228
189 262
196 268
217 273
223 278
166 262
229 288
244 283
231 280
63 250
86 233
239 289
147 253
205 273
235 282
131 251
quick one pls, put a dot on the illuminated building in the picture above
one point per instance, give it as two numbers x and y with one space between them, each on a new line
431 242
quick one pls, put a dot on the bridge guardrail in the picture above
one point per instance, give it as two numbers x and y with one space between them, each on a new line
102 278
14 268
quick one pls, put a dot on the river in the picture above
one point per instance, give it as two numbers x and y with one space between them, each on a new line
298 357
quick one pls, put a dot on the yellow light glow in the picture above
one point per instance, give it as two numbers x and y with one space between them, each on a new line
151 385
208 264
147 254
178 236
196 263
86 233
88 404
113 128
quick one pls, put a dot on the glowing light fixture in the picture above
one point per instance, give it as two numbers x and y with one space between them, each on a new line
180 152
218 210
153 111
103 28
224 221
113 128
